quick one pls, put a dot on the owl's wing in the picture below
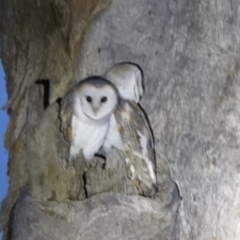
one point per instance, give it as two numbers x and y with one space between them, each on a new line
138 147
146 131
66 113
136 130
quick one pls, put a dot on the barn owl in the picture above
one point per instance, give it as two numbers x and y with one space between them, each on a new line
130 131
128 78
85 113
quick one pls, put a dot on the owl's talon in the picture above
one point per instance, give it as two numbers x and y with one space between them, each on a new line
87 166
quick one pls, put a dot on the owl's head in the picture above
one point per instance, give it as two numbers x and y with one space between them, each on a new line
128 78
98 97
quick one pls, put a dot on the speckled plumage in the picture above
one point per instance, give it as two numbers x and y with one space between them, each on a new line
85 124
130 131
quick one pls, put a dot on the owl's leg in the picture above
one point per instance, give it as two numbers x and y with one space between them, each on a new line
89 162
92 160
97 161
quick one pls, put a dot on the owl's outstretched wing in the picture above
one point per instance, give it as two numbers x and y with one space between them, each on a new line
138 145
66 113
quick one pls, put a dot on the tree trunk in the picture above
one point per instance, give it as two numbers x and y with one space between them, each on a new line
190 55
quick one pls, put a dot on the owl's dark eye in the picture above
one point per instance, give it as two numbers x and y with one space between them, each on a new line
103 99
89 99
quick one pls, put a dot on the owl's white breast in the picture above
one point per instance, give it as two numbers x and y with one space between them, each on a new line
113 138
88 136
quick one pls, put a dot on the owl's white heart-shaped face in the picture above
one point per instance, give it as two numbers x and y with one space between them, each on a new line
128 78
98 97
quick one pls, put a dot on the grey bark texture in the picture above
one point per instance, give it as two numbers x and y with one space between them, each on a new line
190 55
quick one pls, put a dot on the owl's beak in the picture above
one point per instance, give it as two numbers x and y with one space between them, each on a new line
95 110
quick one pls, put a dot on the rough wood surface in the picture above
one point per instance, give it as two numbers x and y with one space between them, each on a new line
189 52
106 216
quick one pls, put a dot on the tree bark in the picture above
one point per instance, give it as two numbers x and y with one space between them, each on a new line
189 52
